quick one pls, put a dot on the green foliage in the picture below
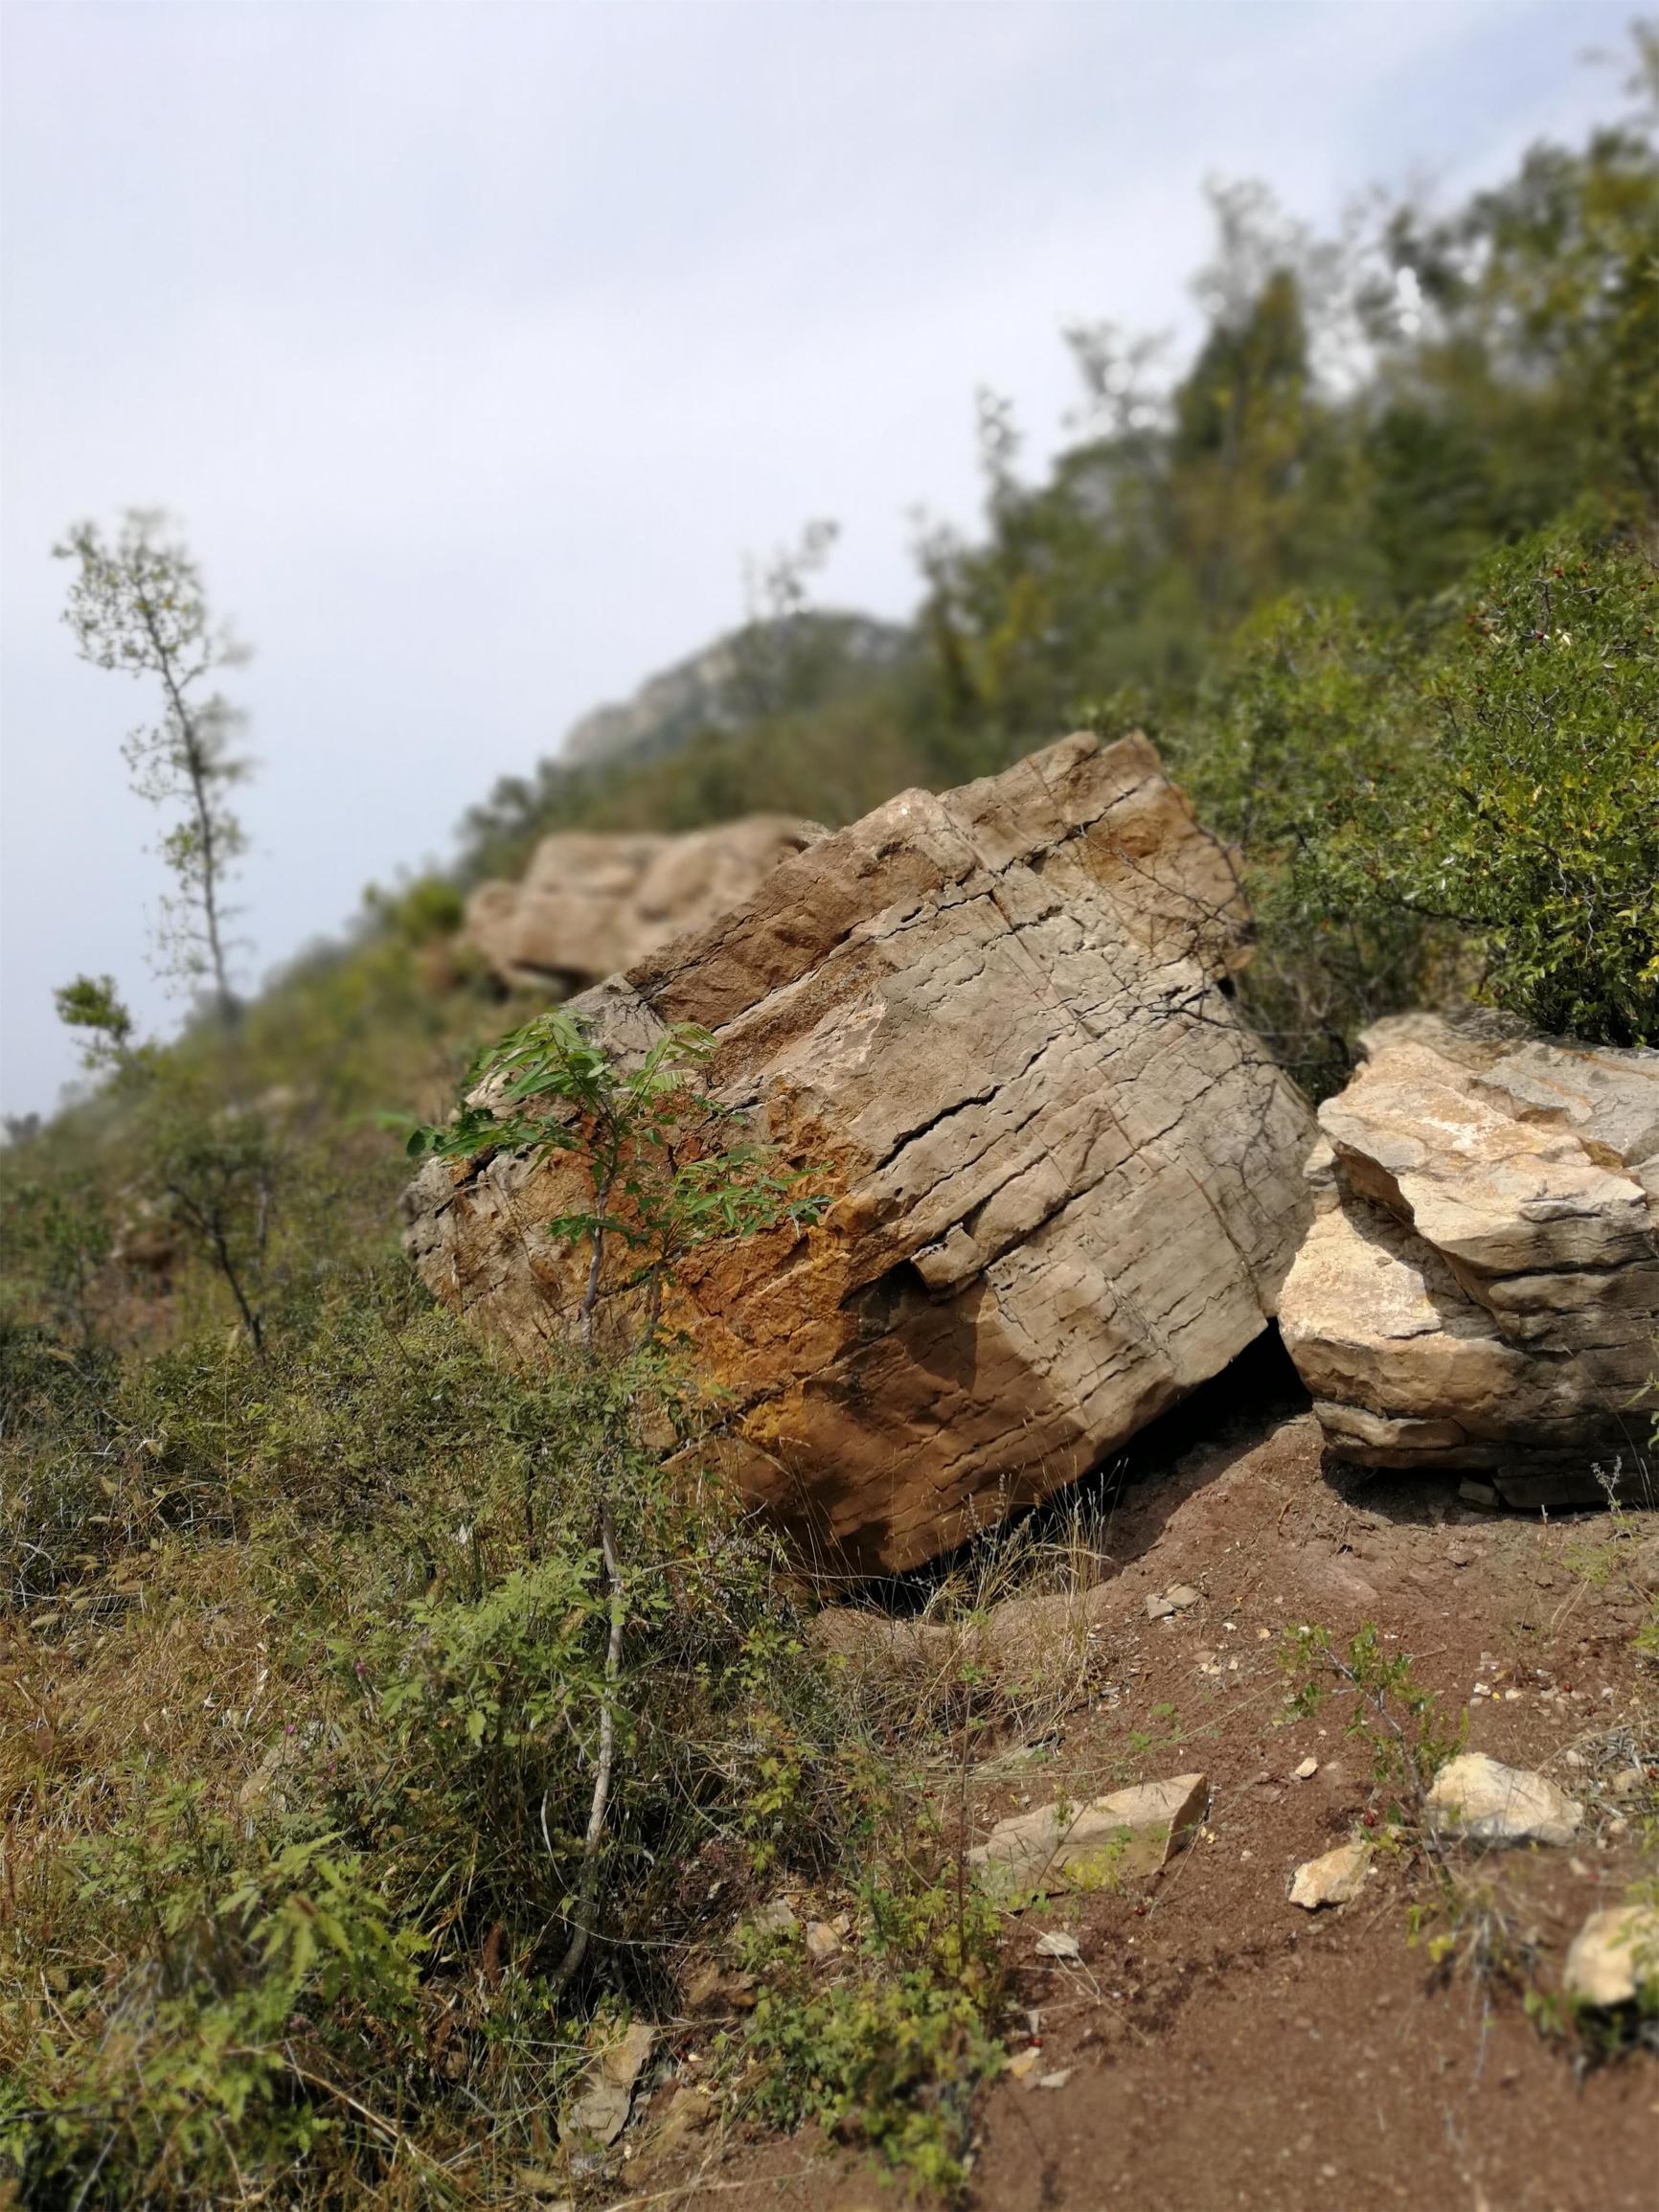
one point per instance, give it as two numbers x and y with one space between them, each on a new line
206 1999
57 1237
1534 822
93 1004
418 912
1393 1713
891 2056
414 1527
667 1166
1467 803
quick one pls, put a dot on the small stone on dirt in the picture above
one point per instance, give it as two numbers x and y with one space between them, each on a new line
602 2110
1158 1608
1181 1595
689 2115
1057 1943
1308 1769
1614 1958
1055 2081
822 1942
775 1919
1332 1879
1478 1800
1023 2064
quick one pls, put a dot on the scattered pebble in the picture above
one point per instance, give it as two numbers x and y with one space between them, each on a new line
775 1919
1308 1769
1057 1943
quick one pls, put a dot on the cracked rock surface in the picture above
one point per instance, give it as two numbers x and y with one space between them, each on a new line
1066 1181
1481 1287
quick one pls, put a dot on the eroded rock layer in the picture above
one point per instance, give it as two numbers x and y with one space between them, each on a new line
1067 1181
1481 1285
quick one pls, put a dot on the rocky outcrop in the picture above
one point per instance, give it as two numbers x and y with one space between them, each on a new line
1066 1179
1481 1285
590 903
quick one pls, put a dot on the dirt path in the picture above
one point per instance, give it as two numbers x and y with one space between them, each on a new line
1220 2047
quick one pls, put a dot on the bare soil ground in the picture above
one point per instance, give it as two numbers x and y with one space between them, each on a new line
1214 2046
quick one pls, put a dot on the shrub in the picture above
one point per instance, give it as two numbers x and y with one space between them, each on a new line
1466 803
207 1995
892 2055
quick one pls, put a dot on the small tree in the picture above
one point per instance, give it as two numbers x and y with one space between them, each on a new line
781 655
139 606
214 1168
666 1169
668 1166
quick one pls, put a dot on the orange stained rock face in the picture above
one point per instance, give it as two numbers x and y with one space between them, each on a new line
1065 1182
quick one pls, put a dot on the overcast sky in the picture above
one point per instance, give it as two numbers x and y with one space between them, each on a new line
476 346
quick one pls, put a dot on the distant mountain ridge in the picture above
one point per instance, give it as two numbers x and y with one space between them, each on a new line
764 668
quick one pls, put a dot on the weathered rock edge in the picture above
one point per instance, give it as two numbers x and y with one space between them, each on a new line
1067 1179
1481 1285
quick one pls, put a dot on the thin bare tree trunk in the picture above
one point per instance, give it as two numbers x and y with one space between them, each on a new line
588 1886
197 767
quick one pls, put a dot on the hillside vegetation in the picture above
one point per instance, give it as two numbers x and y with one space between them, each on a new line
317 1619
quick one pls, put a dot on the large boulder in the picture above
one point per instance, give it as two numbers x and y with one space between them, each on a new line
1481 1287
591 904
1067 1181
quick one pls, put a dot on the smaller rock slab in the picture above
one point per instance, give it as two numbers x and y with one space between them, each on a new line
1474 1799
1127 1834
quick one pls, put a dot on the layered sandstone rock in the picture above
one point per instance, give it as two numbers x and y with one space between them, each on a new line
1067 1181
1481 1287
590 903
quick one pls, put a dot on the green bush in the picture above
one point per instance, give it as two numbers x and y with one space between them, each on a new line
1464 803
892 2055
210 1997
414 1526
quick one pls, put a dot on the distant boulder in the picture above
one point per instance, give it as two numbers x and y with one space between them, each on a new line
1066 1178
590 903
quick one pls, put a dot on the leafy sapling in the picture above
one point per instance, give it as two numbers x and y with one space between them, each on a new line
668 1166
139 606
666 1169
